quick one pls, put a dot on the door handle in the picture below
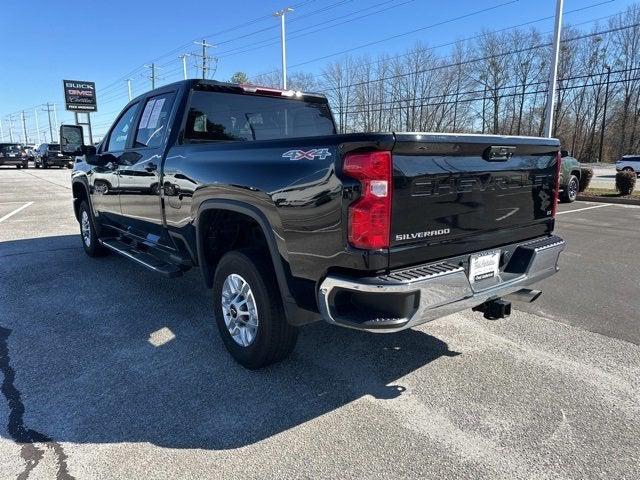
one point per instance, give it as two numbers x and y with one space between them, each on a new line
151 167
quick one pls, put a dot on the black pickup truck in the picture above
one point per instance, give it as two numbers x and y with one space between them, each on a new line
291 223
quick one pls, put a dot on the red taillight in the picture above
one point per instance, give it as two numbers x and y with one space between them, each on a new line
370 215
556 186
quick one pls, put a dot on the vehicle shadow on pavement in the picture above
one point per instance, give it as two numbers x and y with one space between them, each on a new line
102 351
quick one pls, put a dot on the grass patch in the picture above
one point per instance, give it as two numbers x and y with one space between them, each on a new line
608 192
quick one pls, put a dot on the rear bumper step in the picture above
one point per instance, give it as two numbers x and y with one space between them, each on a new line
143 258
410 297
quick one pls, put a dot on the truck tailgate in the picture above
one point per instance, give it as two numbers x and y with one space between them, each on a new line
456 194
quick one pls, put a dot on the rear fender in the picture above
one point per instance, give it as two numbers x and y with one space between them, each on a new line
295 315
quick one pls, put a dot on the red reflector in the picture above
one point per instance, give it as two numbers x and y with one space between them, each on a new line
556 187
370 215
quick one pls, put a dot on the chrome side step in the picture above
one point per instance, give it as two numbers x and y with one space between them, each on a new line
142 258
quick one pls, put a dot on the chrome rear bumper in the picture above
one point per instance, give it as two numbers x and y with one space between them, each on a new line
410 297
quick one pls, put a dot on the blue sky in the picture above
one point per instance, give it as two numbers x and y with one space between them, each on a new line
45 41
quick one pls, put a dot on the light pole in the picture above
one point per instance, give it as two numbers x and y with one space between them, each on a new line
10 128
152 77
24 127
282 13
48 105
184 64
35 111
1 131
55 117
553 73
205 57
604 113
129 89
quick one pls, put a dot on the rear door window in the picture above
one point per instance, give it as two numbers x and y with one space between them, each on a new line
154 120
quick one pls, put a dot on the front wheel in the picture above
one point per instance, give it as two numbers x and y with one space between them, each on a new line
90 243
570 192
248 309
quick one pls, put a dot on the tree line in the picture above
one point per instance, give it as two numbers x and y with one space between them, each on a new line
495 82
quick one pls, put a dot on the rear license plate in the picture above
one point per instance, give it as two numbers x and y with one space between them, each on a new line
12 155
484 265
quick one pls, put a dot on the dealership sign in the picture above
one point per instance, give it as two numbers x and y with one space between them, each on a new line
80 96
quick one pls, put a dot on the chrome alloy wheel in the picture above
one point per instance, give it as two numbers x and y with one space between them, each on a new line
573 188
85 226
239 310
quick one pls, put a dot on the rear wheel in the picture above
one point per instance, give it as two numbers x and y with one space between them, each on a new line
88 234
18 167
248 310
570 192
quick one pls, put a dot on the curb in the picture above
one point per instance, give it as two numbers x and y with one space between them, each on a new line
623 201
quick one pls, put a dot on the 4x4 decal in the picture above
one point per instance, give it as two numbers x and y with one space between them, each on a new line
320 153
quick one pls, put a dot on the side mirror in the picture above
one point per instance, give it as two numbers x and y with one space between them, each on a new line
564 153
72 140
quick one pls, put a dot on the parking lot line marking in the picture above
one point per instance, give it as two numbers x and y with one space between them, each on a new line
586 208
11 214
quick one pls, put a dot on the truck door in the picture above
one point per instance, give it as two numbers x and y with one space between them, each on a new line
140 175
103 177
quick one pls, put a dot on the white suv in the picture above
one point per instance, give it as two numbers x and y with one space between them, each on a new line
629 163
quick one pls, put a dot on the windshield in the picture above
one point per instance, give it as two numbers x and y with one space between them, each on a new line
229 116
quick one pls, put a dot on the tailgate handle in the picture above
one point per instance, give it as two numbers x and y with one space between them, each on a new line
498 153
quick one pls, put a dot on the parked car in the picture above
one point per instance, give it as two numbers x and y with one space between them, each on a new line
49 155
629 163
13 154
30 150
570 173
291 223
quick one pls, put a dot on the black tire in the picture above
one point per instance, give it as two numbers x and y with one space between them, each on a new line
44 163
25 166
627 169
274 338
570 191
36 164
90 243
18 167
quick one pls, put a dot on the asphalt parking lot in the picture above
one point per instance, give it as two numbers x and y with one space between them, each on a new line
109 371
604 175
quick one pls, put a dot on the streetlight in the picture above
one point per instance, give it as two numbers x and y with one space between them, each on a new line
282 13
184 64
553 73
604 113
